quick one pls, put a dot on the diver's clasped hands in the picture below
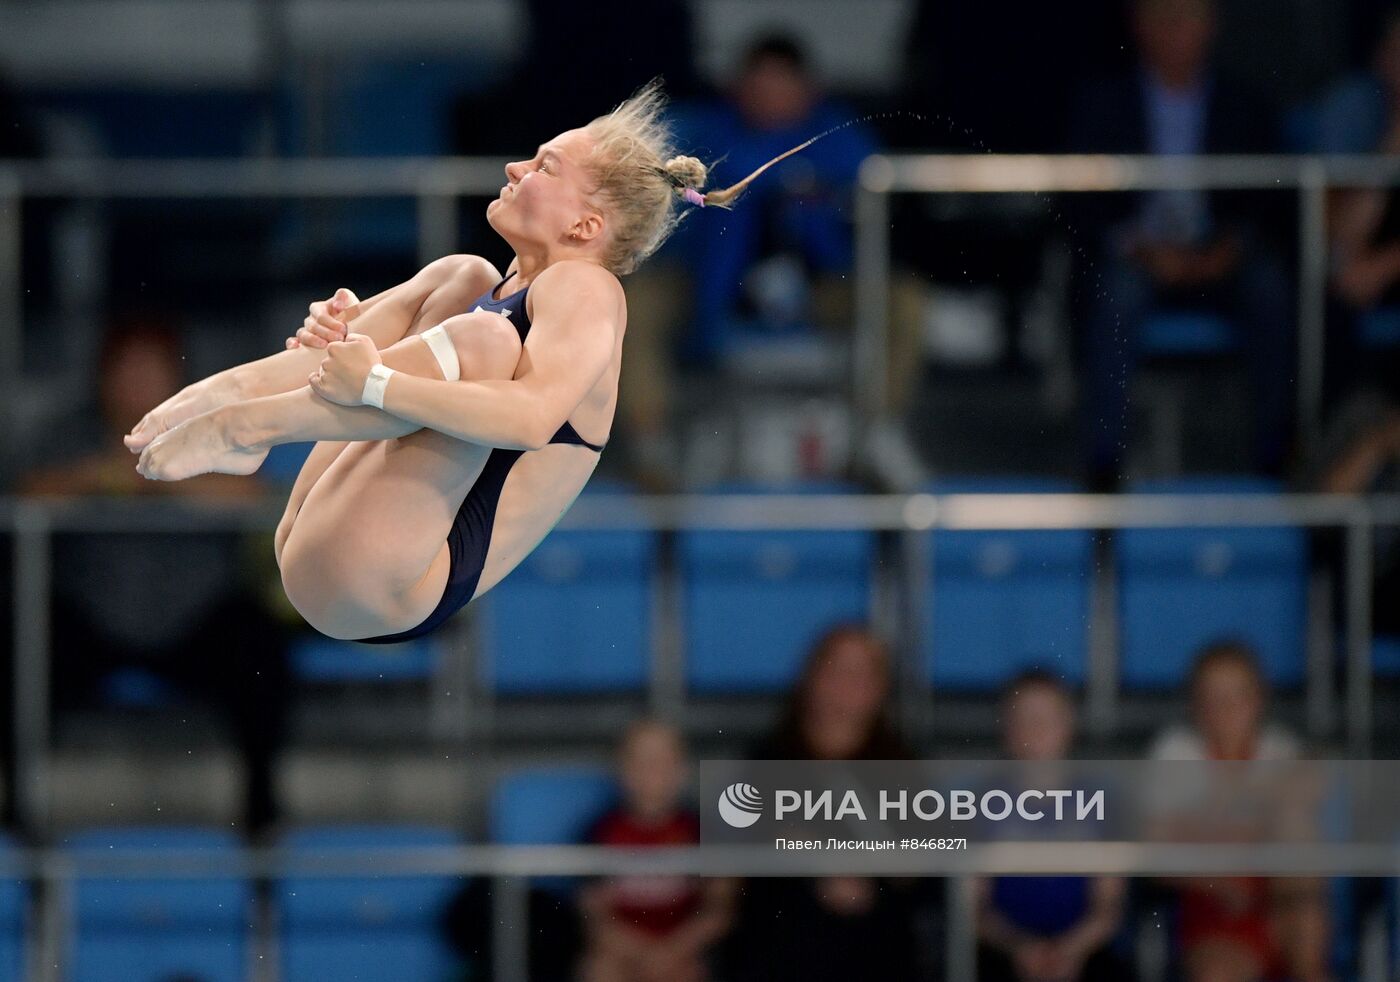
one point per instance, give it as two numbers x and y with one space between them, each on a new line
327 321
341 377
349 357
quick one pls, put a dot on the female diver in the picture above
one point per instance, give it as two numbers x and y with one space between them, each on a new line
461 419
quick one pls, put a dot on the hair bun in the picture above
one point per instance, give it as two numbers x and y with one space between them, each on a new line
686 172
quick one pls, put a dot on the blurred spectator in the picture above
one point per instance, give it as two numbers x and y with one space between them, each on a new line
1360 454
831 927
991 77
776 265
18 139
1179 248
1358 113
1229 696
836 927
1046 928
171 604
1362 115
840 707
969 65
1244 928
531 106
649 928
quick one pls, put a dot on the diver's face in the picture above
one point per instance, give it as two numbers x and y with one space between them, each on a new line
545 198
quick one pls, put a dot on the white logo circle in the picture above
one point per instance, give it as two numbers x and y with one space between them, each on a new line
740 805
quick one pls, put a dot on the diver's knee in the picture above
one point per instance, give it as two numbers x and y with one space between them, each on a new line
462 270
455 281
487 342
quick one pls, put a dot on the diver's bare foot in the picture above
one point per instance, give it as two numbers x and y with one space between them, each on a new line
191 401
202 445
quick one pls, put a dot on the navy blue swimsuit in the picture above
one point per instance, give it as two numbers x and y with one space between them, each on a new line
470 535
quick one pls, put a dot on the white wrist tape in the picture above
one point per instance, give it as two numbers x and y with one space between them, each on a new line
375 385
444 352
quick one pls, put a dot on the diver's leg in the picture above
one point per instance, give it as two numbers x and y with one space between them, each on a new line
368 555
449 297
445 286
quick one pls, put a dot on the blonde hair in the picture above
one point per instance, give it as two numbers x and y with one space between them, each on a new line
642 181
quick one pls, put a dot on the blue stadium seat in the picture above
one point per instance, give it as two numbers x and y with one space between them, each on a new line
1181 588
1385 655
317 658
1183 332
1001 602
159 122
369 928
1379 328
388 107
576 614
14 915
1302 128
548 806
136 687
754 602
283 463
1346 925
152 930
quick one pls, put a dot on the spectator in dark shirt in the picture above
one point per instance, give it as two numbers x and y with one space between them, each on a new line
840 707
1366 221
1179 248
844 926
1362 115
968 67
1360 454
175 605
509 119
779 264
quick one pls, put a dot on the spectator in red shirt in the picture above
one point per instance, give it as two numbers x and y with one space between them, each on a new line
1243 929
651 928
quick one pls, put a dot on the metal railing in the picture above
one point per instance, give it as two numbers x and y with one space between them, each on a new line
435 184
1309 176
509 868
32 523
438 184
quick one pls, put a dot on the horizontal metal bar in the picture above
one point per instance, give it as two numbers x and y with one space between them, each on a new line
757 512
412 176
1090 858
260 178
983 173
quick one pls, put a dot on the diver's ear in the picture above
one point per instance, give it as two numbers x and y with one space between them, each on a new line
588 227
